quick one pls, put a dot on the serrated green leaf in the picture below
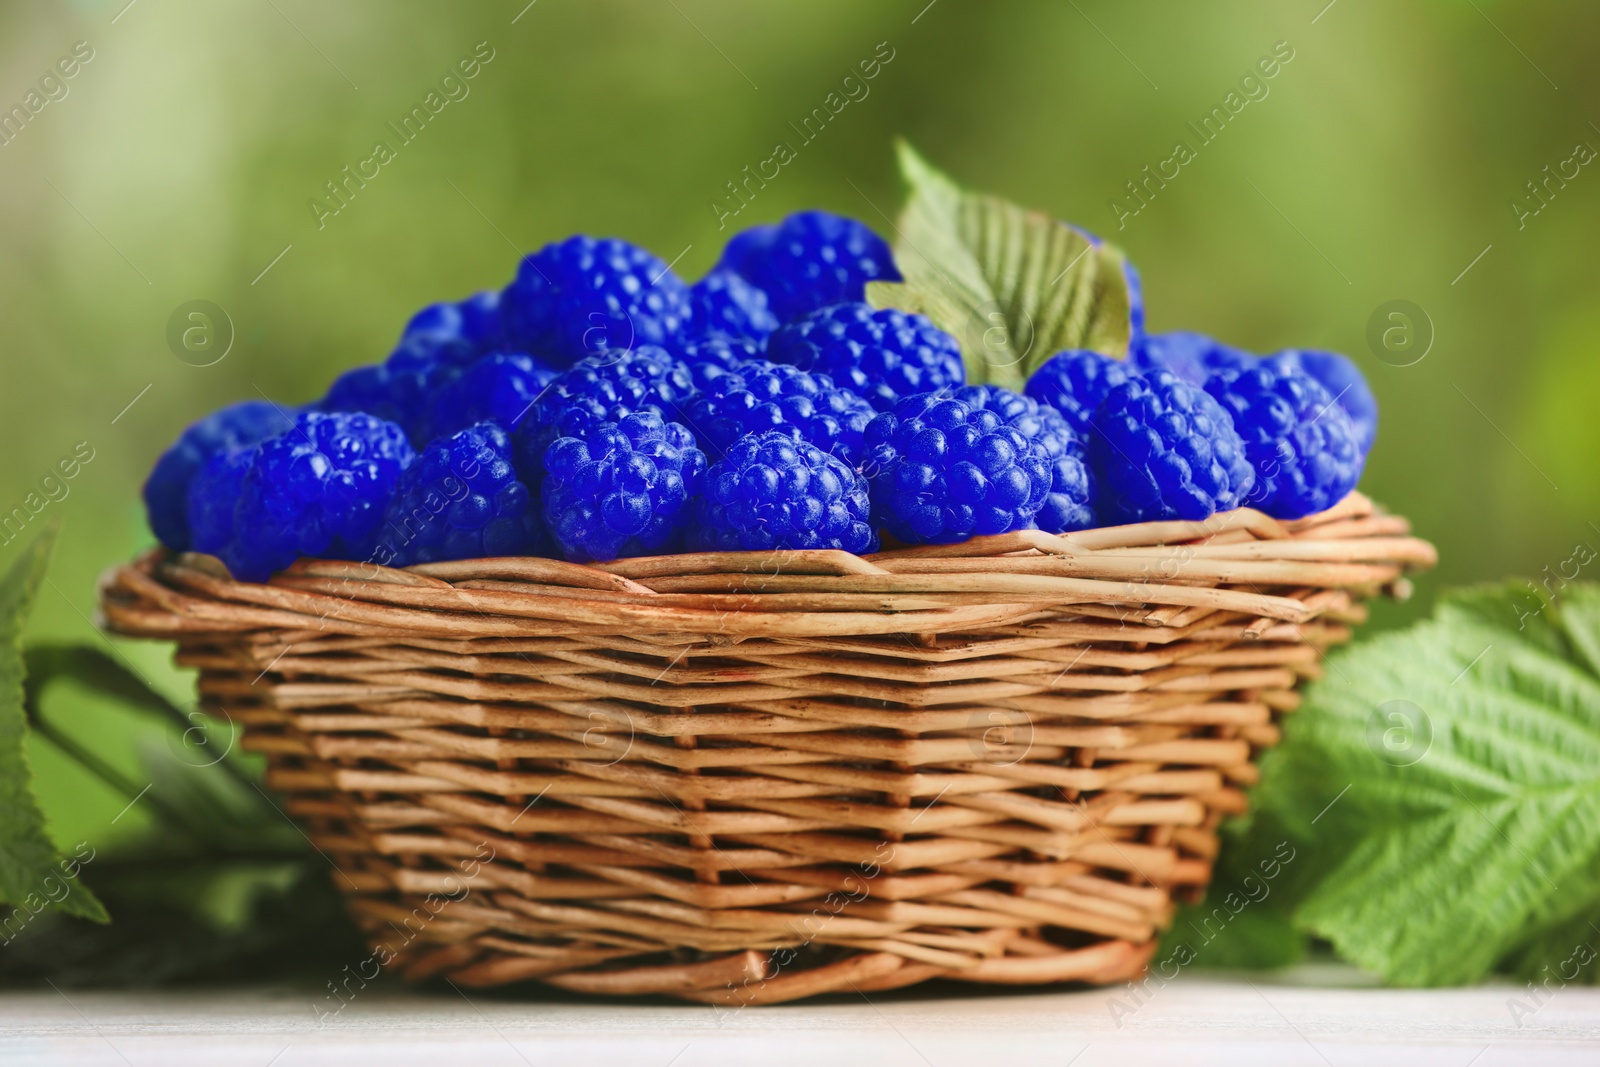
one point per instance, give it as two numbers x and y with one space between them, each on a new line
1451 856
1013 286
29 870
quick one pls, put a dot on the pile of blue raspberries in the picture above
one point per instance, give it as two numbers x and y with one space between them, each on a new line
599 407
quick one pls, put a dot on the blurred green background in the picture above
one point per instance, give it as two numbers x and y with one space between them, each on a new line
1380 166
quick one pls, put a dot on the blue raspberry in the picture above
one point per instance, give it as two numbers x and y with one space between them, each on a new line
603 388
501 387
166 491
772 491
460 499
881 355
400 389
1304 448
810 260
370 388
1194 357
946 468
712 355
724 302
1075 381
1165 449
580 296
1340 376
1069 505
475 320
318 489
745 248
759 395
622 489
213 495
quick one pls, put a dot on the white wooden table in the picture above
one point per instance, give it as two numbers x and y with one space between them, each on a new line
1312 1016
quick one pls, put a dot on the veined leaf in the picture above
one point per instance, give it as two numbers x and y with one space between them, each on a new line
1013 286
29 870
1466 756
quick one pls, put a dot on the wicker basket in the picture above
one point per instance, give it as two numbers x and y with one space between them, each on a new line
750 777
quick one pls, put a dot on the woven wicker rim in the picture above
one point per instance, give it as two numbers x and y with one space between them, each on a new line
785 715
1177 566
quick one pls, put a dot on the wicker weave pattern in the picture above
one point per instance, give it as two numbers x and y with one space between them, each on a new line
751 777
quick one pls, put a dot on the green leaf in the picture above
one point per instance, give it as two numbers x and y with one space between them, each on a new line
1565 954
1256 939
29 870
1244 921
1013 286
1465 752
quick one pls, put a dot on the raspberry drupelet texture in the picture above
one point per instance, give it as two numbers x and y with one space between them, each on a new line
400 388
1074 382
881 355
622 489
946 468
1305 450
461 499
475 320
712 355
501 387
758 395
724 302
1070 503
1165 449
810 260
1340 376
213 495
1194 357
602 388
318 489
773 492
580 296
166 491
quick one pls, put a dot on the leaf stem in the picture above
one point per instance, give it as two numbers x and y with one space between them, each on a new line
107 773
100 673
